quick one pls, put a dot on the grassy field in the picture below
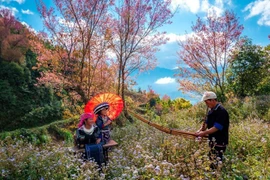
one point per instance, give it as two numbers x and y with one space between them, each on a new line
143 152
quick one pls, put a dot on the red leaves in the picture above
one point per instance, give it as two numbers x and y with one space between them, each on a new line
13 37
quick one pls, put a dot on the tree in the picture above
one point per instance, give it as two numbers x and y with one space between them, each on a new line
206 53
77 29
134 36
247 69
181 103
264 85
13 37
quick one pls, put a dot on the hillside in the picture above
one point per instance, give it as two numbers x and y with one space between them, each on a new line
143 151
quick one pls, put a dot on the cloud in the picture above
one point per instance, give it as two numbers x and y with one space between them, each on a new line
196 6
27 12
175 38
165 80
8 1
192 6
259 7
12 9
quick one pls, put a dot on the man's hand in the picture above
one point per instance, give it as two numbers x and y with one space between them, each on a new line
200 133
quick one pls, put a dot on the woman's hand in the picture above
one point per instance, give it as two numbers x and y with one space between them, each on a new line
108 123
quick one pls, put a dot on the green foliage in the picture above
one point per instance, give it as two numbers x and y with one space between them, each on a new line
181 103
248 72
249 107
143 152
22 103
152 102
164 106
61 133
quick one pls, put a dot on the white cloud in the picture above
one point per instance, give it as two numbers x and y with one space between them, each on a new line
27 11
259 7
18 1
165 80
196 6
189 5
175 38
12 9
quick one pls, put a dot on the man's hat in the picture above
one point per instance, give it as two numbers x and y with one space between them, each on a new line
209 95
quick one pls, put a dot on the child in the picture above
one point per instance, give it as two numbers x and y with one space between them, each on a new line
103 121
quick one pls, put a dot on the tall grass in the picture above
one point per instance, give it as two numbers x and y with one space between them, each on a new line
145 153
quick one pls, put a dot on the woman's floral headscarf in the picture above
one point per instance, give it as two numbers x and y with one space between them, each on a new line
83 117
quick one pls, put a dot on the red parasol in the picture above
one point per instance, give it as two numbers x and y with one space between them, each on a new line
115 102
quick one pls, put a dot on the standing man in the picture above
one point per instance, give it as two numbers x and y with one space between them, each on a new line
216 126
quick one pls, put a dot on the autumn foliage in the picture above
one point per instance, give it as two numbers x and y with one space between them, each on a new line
13 37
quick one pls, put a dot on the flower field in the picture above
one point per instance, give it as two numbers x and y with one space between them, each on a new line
144 153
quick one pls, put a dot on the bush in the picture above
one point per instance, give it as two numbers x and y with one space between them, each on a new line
42 115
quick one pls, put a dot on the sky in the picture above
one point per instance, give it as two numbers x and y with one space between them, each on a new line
254 15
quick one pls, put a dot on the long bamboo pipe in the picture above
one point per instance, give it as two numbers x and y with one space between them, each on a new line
164 129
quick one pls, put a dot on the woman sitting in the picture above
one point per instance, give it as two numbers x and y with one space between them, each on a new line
88 136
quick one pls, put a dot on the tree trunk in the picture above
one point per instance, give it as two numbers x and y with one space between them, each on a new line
123 97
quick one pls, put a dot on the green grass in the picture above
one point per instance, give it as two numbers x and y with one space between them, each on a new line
143 152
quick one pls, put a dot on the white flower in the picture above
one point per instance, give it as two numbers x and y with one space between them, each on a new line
166 172
157 169
263 140
219 162
149 166
135 172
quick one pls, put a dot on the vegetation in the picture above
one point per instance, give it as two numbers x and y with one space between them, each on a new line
248 70
143 152
206 53
42 83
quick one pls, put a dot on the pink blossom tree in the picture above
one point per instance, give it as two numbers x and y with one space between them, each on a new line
13 37
77 29
206 53
135 37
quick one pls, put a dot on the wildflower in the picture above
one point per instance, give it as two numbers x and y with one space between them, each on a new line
135 172
157 169
263 140
166 172
219 162
197 153
198 139
150 166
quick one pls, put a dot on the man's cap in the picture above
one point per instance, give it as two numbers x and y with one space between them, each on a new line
209 95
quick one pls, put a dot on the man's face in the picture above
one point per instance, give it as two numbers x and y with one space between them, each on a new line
211 103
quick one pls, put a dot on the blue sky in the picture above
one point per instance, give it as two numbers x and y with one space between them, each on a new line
253 14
